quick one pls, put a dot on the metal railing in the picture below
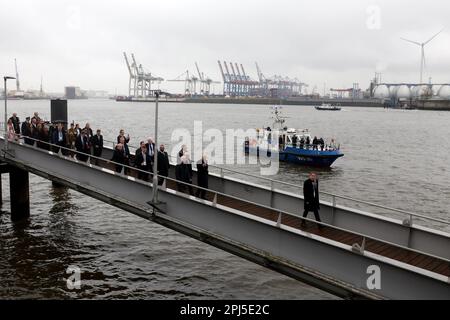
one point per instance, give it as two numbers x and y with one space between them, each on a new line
356 247
408 217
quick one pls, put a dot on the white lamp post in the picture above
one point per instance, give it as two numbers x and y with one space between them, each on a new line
155 156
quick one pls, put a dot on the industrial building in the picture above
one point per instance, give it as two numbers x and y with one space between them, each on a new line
74 93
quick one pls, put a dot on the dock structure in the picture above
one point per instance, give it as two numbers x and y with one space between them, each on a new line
357 254
140 82
190 83
238 84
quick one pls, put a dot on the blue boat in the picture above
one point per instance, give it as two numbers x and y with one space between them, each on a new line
292 145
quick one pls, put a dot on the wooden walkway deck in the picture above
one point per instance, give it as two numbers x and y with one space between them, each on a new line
412 258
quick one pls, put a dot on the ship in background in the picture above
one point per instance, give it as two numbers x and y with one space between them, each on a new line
328 107
295 146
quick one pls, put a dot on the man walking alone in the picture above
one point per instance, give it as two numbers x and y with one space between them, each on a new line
311 195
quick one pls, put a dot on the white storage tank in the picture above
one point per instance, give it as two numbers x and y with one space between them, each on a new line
444 92
403 92
381 92
421 91
393 91
436 89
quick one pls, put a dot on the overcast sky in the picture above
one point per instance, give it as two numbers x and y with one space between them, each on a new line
319 41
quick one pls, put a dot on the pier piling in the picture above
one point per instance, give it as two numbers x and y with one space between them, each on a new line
19 193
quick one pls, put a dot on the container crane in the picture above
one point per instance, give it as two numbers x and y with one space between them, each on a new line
202 81
184 77
238 87
232 86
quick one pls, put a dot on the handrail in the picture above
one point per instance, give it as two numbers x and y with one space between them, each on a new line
323 224
217 193
77 152
333 195
409 214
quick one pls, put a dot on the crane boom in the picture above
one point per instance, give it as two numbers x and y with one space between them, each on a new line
135 64
260 75
128 64
238 72
226 68
243 72
232 69
221 71
198 70
17 76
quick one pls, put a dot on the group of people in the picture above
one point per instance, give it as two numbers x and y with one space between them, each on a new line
54 136
317 143
183 173
143 159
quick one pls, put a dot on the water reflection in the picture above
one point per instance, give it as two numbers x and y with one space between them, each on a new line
62 200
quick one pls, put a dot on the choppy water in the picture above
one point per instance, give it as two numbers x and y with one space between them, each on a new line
392 157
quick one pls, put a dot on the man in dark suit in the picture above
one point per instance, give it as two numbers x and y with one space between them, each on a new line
163 164
16 123
126 153
26 131
97 143
139 150
143 162
59 138
34 131
311 195
82 145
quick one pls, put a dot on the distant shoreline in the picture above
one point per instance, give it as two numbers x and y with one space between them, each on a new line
427 104
375 103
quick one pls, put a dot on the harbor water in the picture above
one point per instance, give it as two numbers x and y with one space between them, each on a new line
395 158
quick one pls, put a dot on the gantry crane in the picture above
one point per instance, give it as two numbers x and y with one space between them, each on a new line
140 83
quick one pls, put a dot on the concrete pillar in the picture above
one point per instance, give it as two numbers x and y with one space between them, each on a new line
20 194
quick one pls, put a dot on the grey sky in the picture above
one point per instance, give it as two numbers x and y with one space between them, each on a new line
333 42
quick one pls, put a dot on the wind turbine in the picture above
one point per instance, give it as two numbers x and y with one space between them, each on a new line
422 45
